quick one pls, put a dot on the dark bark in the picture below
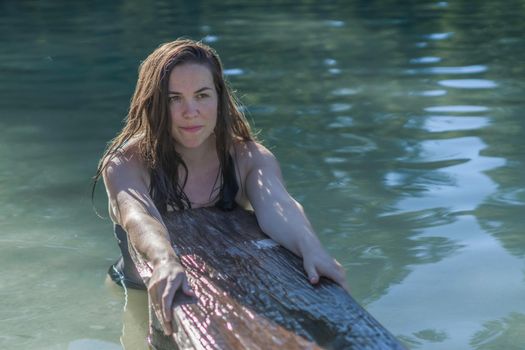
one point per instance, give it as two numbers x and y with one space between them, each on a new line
253 293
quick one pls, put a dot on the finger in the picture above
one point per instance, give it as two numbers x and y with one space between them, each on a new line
155 295
338 275
167 302
311 272
186 288
342 281
338 264
155 298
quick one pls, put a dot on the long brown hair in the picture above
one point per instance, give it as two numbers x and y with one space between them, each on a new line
148 121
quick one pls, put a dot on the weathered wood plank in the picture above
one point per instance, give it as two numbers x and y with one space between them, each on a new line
253 294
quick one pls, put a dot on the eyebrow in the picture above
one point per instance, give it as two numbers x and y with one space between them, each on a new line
196 92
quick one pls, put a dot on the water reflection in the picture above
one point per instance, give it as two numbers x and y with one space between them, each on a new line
459 187
468 83
210 39
503 221
457 109
449 123
429 93
341 121
447 70
466 287
340 107
344 92
135 316
234 71
425 60
501 334
438 36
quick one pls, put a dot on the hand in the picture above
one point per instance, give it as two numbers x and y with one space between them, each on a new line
167 278
318 263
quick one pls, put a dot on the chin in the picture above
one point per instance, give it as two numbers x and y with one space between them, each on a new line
192 143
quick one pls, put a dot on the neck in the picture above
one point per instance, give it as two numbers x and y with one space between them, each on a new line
194 157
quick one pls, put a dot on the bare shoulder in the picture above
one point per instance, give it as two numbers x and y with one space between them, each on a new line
253 154
124 163
127 183
255 160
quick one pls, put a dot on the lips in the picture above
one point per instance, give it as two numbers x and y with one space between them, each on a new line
191 129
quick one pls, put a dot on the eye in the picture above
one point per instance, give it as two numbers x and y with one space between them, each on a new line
202 95
174 98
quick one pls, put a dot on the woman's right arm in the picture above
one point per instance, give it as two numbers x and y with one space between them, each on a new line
131 206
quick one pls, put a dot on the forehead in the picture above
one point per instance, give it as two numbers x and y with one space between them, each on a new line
189 76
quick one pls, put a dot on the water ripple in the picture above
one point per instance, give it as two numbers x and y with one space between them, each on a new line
429 93
511 196
340 107
450 149
441 4
342 122
373 252
334 23
468 83
210 39
335 160
449 70
363 144
460 187
262 109
425 59
438 36
329 62
234 71
432 165
448 123
344 92
457 109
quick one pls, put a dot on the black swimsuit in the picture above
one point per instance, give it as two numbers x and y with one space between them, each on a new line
123 272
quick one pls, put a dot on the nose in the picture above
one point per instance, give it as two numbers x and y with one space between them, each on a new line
190 109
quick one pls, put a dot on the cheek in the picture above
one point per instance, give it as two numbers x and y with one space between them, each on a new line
212 110
173 112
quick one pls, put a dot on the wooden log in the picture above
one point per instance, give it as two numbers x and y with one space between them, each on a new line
252 293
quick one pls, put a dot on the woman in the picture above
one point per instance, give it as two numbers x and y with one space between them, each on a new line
186 145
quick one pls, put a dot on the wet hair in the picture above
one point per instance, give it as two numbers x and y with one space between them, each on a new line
148 122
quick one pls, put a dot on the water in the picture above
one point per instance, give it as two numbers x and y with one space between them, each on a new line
398 125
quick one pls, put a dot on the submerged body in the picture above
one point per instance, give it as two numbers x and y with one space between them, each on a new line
184 146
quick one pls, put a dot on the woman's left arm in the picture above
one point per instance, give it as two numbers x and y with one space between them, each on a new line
282 218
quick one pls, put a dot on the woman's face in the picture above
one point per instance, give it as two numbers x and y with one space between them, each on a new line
193 104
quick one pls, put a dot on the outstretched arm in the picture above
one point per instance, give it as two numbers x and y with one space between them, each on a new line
282 218
131 206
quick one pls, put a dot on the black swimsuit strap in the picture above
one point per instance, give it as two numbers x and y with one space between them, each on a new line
229 188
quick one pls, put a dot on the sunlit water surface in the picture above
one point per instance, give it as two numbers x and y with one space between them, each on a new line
399 127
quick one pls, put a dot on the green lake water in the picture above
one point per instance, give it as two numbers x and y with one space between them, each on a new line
399 125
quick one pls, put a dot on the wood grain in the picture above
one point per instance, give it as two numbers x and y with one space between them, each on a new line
253 294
